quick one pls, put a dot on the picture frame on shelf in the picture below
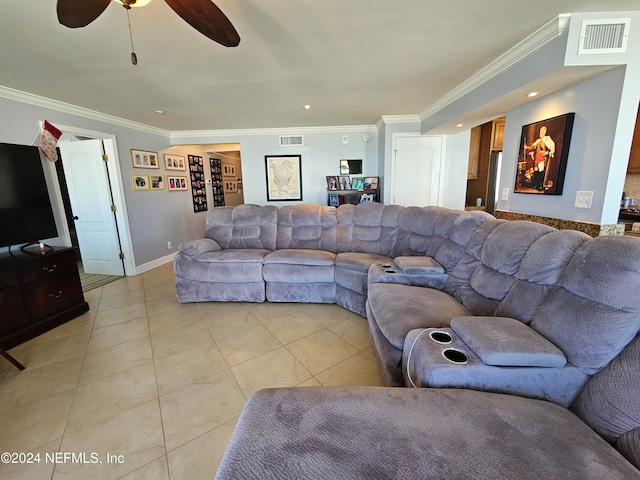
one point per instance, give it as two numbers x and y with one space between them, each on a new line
176 183
344 182
156 182
284 177
357 183
333 183
174 162
371 183
144 159
542 156
228 170
334 200
140 181
367 197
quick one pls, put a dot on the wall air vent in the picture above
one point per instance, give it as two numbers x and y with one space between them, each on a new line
291 141
604 36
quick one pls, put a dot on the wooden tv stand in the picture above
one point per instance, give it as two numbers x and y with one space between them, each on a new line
38 293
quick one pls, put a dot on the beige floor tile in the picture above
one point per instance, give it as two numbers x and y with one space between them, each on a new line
111 335
81 324
31 385
274 369
288 329
93 294
321 350
199 459
166 316
36 353
180 339
118 358
268 311
354 331
112 316
35 424
163 291
122 286
247 344
134 435
189 366
156 470
312 382
227 319
111 396
357 370
198 408
118 301
38 468
369 353
329 315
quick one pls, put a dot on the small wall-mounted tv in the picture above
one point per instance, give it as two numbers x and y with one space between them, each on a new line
26 215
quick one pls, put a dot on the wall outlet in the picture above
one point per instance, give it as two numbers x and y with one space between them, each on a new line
583 199
169 245
505 194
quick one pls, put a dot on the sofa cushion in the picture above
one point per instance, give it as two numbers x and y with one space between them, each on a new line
223 266
307 226
360 261
194 248
398 309
418 265
368 227
507 342
243 226
599 315
443 434
300 257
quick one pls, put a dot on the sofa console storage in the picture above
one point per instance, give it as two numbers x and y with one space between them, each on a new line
440 357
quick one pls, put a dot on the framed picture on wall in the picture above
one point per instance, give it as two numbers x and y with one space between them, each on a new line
156 182
176 183
542 156
140 182
174 162
284 177
144 159
228 170
230 186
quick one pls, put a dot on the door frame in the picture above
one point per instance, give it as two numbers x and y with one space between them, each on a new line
115 178
394 138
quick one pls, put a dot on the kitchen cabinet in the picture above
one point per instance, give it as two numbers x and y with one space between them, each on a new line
497 133
474 153
634 155
37 293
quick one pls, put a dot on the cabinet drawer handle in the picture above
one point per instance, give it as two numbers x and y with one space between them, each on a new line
45 269
53 295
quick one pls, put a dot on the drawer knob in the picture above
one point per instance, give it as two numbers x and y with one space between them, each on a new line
58 295
52 269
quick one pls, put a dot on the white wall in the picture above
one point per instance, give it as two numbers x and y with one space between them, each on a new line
456 161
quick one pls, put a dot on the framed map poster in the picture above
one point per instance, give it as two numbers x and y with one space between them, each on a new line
284 177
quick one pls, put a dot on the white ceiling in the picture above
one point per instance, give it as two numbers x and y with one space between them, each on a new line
351 60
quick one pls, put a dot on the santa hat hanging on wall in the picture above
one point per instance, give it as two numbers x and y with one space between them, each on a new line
49 140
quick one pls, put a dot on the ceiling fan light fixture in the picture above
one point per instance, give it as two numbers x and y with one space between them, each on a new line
133 3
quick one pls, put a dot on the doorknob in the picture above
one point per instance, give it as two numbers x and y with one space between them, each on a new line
75 217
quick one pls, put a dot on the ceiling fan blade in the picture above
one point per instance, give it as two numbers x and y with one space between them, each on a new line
208 19
80 13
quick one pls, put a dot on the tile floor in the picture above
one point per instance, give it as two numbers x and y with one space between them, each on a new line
159 385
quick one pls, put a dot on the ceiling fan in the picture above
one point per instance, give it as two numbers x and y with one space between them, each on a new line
203 15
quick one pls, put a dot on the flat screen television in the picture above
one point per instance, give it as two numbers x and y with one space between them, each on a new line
26 215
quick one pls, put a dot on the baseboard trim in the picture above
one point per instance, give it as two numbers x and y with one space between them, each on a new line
155 263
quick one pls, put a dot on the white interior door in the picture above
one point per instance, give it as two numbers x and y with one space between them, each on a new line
90 199
416 171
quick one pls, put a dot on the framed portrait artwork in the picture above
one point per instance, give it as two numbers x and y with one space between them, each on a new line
176 183
542 155
174 162
284 177
144 159
156 182
140 182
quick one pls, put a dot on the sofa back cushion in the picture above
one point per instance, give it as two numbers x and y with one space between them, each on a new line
594 312
610 402
423 229
539 273
368 227
312 227
243 226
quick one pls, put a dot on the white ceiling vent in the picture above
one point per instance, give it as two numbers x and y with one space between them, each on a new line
604 36
291 141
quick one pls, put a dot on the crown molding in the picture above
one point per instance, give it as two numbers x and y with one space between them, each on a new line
207 134
58 106
538 39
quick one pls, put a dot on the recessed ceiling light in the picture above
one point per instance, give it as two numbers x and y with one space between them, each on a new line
160 112
532 94
307 107
459 125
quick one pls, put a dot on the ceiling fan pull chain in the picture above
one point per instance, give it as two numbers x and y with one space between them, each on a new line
134 57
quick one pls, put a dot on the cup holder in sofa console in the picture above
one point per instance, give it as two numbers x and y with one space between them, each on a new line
455 356
390 271
440 337
386 265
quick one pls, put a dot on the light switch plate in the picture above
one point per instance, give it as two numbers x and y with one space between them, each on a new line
505 194
345 139
583 199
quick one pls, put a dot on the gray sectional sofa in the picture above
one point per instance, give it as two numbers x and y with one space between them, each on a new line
518 339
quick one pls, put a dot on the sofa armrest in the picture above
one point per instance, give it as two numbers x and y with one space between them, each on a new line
194 248
418 266
507 342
